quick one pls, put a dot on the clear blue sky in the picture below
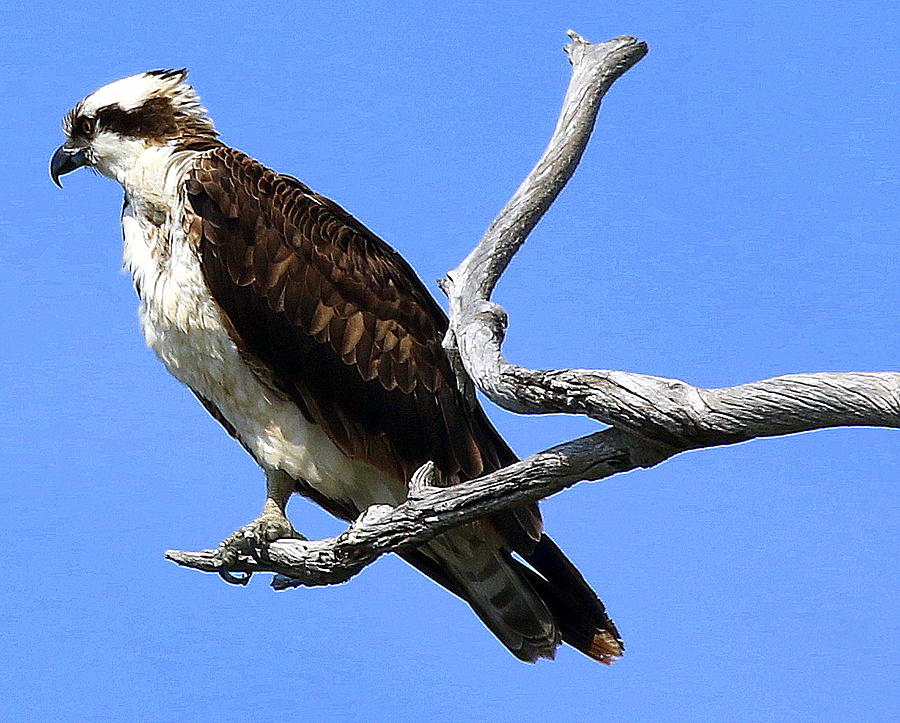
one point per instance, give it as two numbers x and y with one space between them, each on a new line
735 217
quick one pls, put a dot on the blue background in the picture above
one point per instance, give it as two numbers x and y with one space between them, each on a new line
734 218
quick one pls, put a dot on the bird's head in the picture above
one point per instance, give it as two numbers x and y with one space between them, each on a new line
112 128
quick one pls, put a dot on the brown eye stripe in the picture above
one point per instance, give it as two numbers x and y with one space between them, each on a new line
154 119
159 120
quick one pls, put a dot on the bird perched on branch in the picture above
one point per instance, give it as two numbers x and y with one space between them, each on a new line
317 347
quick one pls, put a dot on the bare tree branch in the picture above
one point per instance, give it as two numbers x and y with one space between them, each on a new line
673 412
432 511
652 418
667 410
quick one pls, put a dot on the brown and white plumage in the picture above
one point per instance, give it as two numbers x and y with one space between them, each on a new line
316 345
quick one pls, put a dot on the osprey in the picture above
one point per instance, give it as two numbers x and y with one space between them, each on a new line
317 347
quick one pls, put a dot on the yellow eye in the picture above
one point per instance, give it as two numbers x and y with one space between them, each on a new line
84 127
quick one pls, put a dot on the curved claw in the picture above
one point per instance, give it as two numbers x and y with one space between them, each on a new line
231 579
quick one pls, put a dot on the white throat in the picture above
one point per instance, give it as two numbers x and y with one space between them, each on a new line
145 172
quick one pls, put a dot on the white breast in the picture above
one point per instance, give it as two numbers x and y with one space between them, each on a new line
183 325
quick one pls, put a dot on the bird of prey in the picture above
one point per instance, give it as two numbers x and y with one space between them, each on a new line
317 347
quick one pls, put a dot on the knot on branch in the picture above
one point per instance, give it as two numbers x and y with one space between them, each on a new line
491 315
371 515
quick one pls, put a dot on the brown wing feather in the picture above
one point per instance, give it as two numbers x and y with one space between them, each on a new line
350 331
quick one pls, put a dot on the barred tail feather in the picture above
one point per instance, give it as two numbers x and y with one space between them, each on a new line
506 603
531 607
580 614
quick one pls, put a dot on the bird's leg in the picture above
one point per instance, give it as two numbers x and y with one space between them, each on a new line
271 525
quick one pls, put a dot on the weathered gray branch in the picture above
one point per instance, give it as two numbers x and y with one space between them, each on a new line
432 510
652 418
675 413
666 410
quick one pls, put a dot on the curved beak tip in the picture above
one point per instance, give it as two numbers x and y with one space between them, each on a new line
66 159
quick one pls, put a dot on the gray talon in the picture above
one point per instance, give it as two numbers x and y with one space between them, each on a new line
253 539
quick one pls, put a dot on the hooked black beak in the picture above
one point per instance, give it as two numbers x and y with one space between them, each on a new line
68 157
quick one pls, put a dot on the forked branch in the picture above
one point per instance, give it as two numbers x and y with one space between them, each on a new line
652 418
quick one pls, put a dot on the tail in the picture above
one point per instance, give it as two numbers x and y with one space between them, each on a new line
504 601
579 613
529 608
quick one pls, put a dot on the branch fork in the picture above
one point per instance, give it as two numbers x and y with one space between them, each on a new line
650 418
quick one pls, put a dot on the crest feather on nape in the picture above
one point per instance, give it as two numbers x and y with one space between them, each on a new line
132 92
169 73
